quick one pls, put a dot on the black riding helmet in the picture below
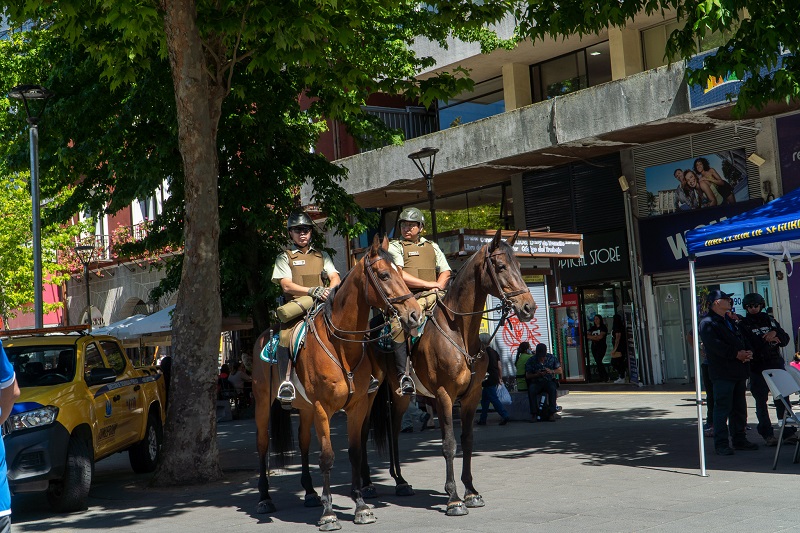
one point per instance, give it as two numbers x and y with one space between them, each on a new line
298 218
753 299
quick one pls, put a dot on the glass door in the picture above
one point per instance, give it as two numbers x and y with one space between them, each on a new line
567 346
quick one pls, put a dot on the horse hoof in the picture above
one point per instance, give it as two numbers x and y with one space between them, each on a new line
476 500
456 509
365 516
329 523
404 490
369 492
265 506
312 500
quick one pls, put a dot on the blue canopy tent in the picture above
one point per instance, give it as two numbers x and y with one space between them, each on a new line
771 230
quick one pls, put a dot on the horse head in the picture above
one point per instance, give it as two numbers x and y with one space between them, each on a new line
387 290
505 279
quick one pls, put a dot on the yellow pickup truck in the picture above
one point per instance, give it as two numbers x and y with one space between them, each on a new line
81 400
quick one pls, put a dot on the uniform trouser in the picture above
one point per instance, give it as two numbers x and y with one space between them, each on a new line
398 343
730 404
283 361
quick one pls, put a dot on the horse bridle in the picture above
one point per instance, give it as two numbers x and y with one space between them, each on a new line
334 330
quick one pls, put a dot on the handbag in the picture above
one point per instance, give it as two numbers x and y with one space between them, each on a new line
503 395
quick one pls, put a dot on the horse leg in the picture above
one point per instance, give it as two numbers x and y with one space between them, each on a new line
328 521
455 506
469 405
368 490
262 414
399 407
355 423
304 436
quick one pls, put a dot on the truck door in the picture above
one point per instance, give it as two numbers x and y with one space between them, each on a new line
128 396
105 430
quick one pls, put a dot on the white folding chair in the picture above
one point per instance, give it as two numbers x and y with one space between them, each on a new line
782 385
794 373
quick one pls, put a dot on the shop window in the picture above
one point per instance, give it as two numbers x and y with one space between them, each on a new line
485 100
572 72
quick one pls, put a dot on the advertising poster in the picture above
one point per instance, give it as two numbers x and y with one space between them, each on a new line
697 183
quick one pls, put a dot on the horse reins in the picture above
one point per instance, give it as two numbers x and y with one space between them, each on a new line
334 330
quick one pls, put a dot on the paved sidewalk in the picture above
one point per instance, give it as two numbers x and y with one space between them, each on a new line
617 461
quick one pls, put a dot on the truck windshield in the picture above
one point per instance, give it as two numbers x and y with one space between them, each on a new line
41 366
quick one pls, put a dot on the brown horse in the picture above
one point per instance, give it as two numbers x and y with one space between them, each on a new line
450 364
333 371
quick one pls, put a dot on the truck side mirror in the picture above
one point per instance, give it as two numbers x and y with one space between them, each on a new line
100 376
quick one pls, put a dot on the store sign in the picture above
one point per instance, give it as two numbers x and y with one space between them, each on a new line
533 245
788 129
715 91
605 258
663 244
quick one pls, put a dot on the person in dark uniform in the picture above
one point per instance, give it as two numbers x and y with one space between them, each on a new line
423 267
299 271
767 338
729 357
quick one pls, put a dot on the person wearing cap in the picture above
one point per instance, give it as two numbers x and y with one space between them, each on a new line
423 267
494 377
541 371
729 357
767 338
301 270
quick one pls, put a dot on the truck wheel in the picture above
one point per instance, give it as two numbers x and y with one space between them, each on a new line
71 493
144 454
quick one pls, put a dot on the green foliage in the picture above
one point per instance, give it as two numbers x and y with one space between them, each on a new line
481 217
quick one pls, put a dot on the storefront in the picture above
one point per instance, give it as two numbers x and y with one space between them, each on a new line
689 183
597 284
787 129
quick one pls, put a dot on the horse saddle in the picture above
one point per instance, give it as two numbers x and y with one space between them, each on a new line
269 353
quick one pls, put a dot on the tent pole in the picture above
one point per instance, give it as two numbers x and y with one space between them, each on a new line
697 382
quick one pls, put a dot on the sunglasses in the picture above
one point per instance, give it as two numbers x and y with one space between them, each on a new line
302 229
751 306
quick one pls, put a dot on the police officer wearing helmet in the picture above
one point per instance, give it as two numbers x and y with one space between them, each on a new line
423 267
766 337
301 270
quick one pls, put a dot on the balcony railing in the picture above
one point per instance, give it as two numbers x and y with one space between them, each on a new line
413 121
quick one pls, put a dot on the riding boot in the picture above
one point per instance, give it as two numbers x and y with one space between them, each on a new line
286 392
401 363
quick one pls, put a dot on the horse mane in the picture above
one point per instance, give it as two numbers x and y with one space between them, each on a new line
458 279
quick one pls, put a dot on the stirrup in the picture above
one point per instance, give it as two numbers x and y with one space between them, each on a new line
373 385
286 393
407 387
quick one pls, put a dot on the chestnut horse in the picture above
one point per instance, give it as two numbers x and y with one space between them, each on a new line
450 364
334 371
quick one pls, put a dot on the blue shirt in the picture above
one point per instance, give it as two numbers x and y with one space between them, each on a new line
6 380
534 365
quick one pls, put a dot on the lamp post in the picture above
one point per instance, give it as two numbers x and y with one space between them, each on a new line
85 253
424 160
26 93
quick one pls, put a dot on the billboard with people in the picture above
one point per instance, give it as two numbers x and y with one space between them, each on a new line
697 183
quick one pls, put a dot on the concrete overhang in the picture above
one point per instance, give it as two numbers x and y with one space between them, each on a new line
644 108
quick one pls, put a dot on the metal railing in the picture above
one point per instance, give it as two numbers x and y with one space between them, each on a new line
413 121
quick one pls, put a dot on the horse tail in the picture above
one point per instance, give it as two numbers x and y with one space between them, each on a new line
380 418
281 433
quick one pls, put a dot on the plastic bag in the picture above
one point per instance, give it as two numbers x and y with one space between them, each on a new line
503 395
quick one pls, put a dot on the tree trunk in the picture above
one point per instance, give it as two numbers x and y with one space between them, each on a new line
190 441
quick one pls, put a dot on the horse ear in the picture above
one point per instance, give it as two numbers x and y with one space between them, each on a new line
376 245
511 240
385 243
495 242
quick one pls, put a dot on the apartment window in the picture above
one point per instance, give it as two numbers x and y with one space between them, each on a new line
572 72
485 100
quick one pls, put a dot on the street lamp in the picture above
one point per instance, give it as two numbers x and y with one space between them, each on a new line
85 253
420 158
26 93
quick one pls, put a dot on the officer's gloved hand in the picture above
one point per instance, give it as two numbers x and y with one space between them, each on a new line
316 292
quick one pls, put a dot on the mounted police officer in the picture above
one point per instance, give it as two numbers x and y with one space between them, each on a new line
301 270
767 338
424 268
